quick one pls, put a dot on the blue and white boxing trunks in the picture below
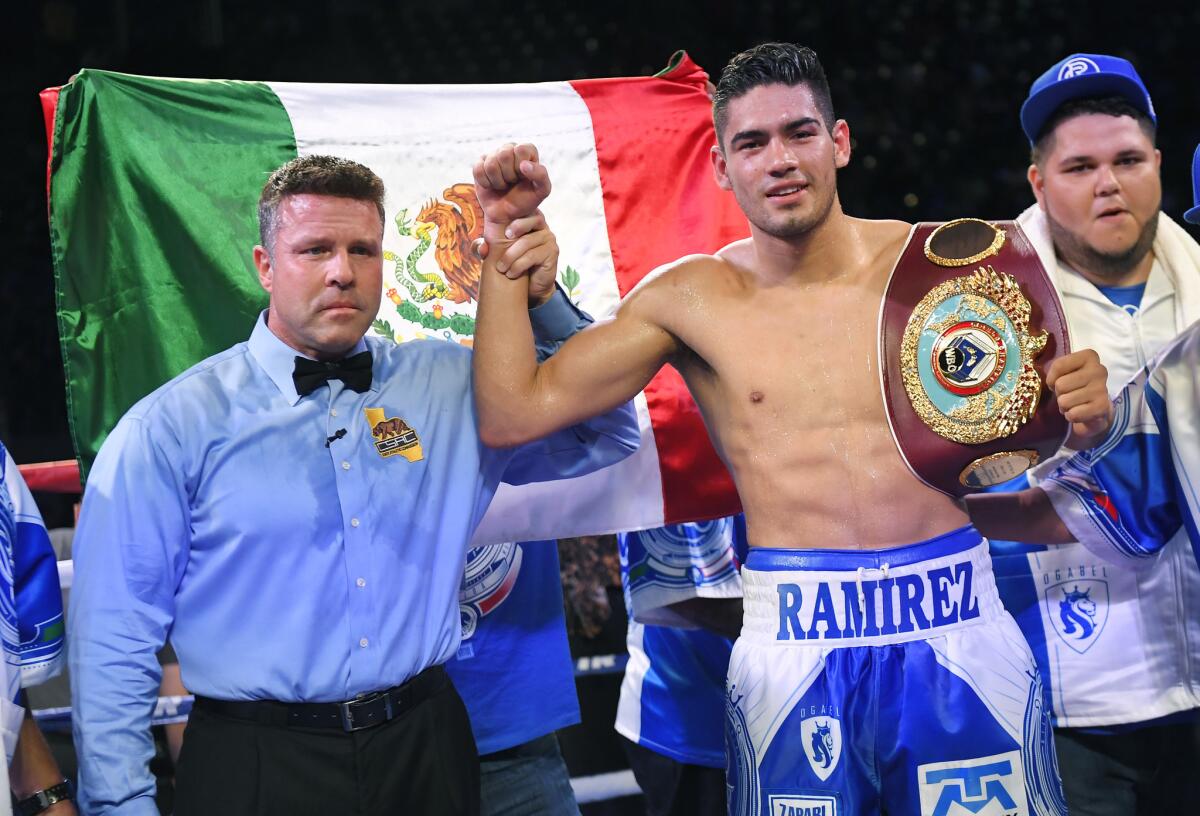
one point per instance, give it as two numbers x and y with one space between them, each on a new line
885 682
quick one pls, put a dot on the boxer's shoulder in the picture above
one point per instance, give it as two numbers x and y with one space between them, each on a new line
880 246
886 238
689 276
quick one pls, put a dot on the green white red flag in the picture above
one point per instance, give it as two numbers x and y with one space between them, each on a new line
153 185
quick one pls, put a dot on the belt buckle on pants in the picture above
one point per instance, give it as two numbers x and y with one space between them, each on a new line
347 709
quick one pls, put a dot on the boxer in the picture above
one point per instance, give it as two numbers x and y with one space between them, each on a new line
876 670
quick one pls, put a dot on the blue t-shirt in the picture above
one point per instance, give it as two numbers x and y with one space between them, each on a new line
1128 298
673 696
514 668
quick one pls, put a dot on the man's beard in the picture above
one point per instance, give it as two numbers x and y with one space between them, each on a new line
1111 266
796 226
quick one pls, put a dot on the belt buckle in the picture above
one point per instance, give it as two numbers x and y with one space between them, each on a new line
346 710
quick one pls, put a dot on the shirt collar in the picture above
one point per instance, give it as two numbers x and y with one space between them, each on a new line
1159 286
278 359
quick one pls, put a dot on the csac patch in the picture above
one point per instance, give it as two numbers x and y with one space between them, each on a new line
803 805
393 436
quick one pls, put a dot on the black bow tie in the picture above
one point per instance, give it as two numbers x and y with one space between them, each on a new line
354 371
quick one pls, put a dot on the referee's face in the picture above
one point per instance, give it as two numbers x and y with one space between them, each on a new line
324 275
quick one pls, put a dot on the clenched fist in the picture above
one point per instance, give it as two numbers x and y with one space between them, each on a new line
510 183
1080 385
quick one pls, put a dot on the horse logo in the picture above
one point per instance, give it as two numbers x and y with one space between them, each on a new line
823 744
1078 611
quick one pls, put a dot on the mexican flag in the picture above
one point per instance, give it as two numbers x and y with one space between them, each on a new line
153 185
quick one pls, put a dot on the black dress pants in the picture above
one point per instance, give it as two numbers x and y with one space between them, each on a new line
1153 771
673 788
422 763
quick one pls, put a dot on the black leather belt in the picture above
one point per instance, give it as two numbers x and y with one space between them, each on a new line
364 711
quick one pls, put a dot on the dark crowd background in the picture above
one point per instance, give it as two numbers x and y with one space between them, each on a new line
931 91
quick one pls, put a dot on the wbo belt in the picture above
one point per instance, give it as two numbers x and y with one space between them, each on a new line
365 711
969 322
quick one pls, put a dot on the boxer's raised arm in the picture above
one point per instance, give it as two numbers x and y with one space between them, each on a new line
595 371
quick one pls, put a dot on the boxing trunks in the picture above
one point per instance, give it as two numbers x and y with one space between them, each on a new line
887 681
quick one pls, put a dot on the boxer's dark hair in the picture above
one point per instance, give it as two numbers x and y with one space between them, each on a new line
771 64
315 175
1107 105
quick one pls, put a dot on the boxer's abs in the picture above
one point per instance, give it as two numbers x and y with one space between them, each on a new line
833 494
787 378
819 467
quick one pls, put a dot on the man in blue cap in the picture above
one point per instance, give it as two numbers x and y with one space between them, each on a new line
1115 647
1128 498
1132 495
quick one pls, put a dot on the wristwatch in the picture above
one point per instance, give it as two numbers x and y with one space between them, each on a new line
38 802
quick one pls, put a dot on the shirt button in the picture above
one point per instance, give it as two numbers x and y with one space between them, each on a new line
333 412
353 522
363 643
362 582
345 465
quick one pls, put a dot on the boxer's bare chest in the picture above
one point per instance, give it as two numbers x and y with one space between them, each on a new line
790 357
787 378
775 368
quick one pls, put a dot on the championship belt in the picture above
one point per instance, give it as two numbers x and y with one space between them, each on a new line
969 322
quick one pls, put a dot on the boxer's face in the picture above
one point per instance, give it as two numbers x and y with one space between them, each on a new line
780 159
325 274
1099 186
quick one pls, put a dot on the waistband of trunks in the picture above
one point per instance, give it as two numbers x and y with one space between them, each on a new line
832 598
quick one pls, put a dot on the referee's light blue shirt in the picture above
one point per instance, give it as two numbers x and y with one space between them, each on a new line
279 567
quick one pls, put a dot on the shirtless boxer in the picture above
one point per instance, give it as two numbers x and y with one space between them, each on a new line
873 674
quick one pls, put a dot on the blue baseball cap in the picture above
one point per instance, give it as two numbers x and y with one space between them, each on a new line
1079 76
1192 216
